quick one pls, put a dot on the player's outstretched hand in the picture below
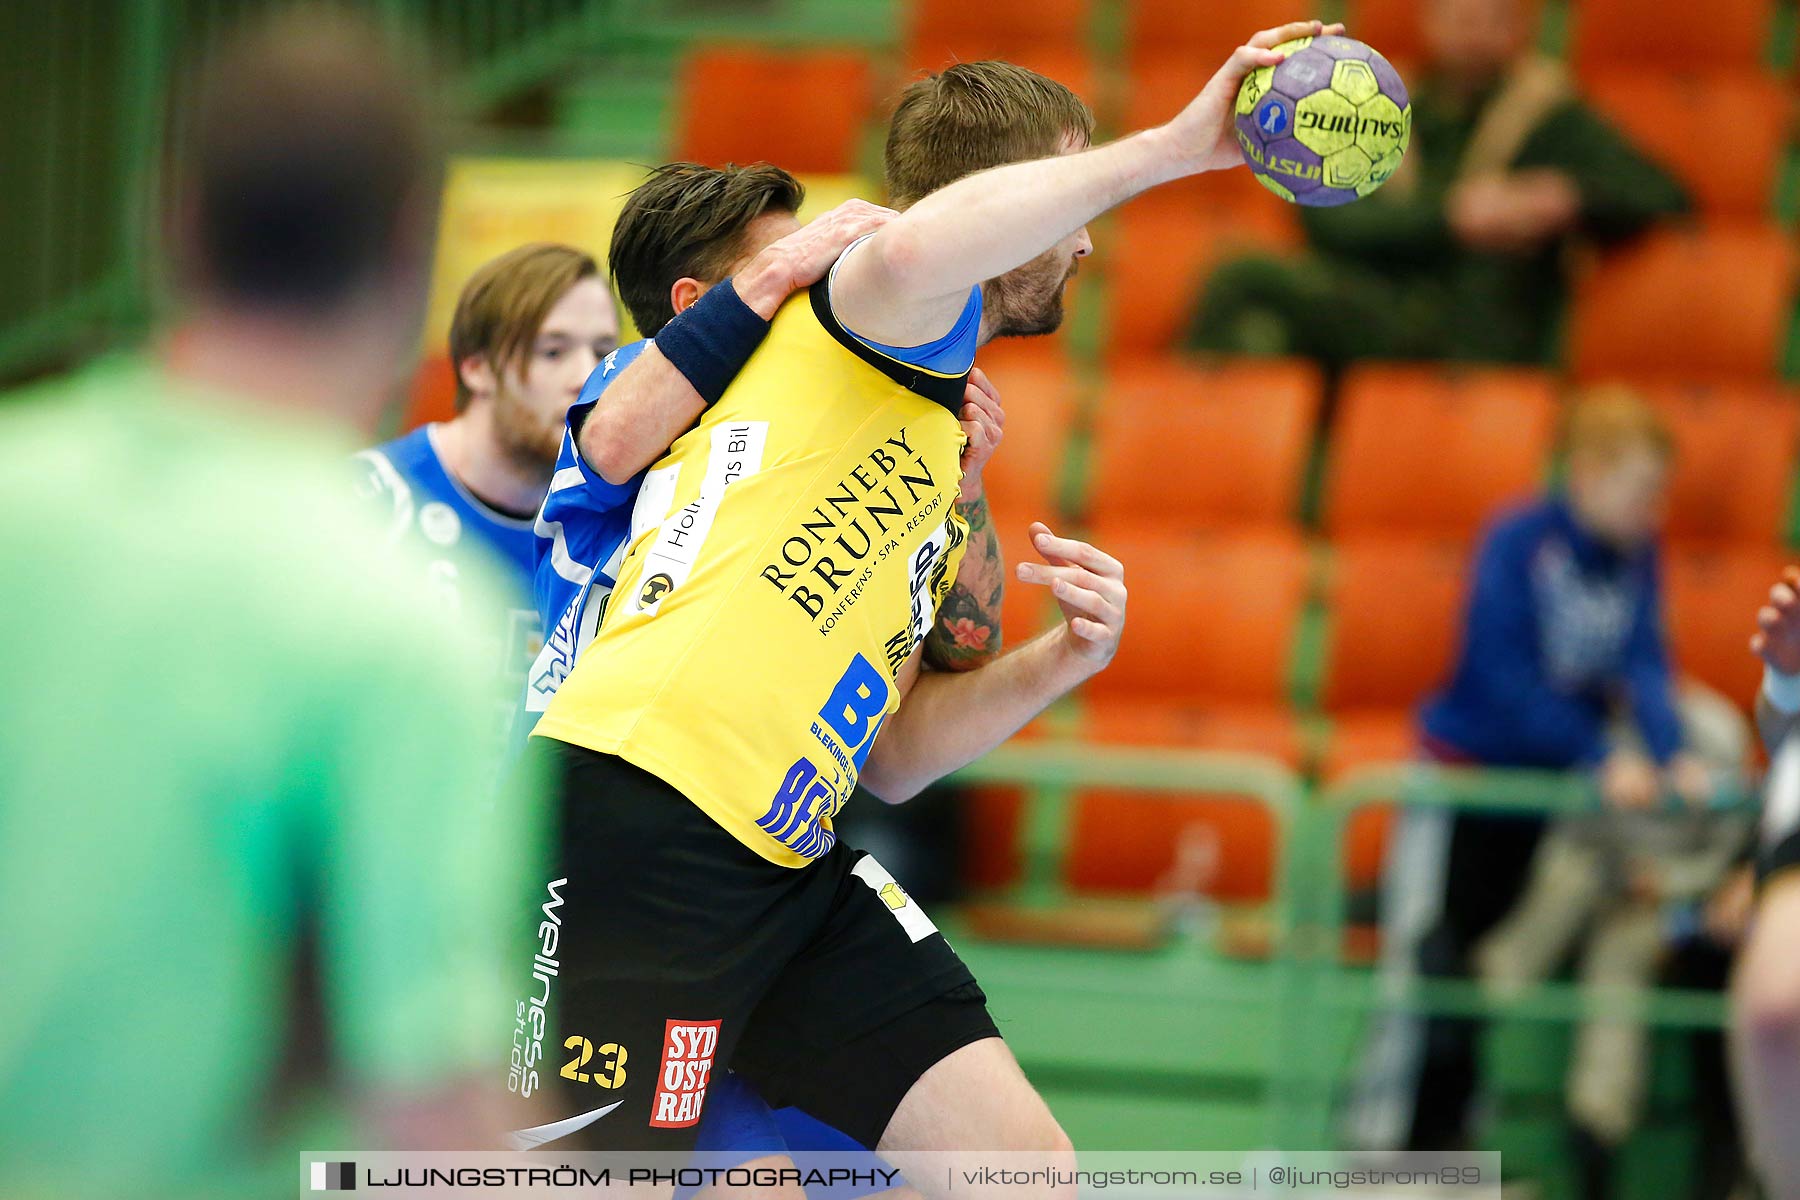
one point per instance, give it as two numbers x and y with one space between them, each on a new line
1777 636
1089 586
983 421
802 257
1202 133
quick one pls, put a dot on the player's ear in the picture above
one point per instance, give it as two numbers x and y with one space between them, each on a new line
683 292
477 375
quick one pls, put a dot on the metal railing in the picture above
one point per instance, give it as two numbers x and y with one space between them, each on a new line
1310 983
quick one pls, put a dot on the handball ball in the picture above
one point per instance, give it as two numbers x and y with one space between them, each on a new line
1327 126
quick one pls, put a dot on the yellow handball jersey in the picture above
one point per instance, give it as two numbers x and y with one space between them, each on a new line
794 548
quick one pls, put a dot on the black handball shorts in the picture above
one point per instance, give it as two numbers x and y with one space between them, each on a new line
662 951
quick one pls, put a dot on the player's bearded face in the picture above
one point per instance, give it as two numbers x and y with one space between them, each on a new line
530 428
533 398
1028 300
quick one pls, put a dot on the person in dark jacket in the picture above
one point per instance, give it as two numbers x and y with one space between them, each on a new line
1465 253
1562 666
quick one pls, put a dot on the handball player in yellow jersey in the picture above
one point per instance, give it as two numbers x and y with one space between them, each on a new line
788 555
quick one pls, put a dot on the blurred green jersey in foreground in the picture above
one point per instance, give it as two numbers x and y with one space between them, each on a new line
235 735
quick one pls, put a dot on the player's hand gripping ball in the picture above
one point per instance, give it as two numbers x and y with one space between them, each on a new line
1327 126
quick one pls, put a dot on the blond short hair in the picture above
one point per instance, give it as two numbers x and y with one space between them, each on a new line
972 116
1605 423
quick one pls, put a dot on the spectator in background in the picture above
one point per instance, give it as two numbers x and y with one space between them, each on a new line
1628 887
251 851
1562 634
1464 254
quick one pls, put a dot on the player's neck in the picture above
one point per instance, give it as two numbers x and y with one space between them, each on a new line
285 365
475 456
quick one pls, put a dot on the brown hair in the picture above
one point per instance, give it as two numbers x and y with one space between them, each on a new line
307 166
688 221
1603 423
504 304
972 116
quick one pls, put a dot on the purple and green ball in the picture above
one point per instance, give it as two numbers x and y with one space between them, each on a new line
1327 126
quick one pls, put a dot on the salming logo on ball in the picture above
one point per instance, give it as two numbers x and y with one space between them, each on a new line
1326 126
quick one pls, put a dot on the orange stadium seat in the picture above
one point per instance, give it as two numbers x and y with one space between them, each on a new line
1734 463
1027 608
1207 32
1672 35
1127 841
1707 303
1162 248
1212 616
1038 389
1205 666
998 22
803 110
1722 133
1391 26
1122 840
1049 36
1711 602
1038 386
1394 605
1179 445
432 394
993 824
1434 451
1394 609
992 818
1365 740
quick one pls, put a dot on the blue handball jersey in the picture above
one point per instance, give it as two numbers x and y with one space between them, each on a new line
580 539
432 508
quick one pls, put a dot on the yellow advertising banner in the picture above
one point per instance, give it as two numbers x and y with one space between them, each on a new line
494 204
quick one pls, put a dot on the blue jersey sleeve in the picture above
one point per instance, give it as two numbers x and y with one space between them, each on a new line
951 354
595 493
585 520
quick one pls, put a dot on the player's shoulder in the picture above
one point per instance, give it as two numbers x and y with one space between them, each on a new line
609 368
386 477
397 464
408 451
1521 524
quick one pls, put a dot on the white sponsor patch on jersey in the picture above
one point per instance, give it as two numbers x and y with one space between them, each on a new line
906 910
440 524
925 562
737 451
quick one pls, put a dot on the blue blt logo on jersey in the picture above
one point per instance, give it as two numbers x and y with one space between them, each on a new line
1272 118
852 714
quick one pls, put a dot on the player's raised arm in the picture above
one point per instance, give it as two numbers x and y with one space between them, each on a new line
715 329
906 285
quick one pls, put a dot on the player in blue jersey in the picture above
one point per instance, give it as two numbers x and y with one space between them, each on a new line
528 330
